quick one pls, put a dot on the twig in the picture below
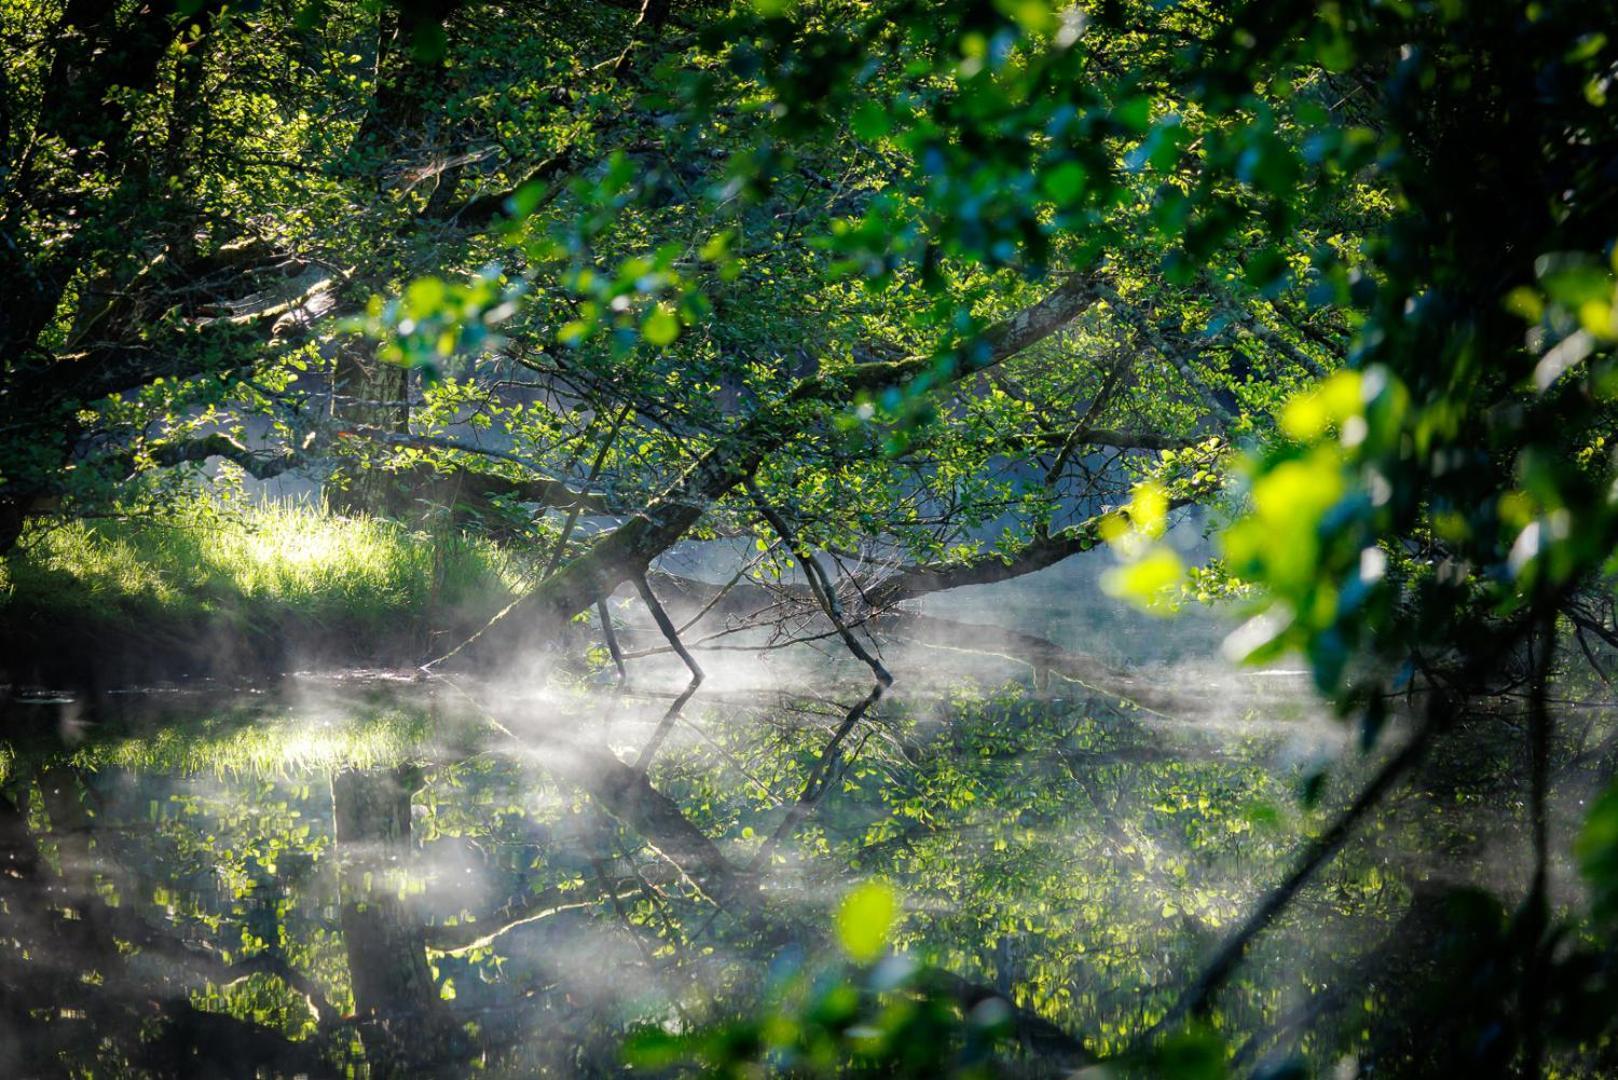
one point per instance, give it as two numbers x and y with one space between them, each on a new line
665 624
824 592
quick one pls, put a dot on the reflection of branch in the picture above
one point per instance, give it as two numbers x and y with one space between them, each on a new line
265 963
666 725
1197 997
464 937
625 793
1034 1031
636 933
818 781
77 918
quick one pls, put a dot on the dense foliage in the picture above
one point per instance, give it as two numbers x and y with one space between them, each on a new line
901 296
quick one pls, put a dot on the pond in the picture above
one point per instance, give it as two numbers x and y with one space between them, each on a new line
368 874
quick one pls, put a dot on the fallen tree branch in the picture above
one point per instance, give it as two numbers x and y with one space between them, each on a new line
259 465
628 550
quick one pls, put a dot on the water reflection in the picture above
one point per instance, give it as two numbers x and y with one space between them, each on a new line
442 878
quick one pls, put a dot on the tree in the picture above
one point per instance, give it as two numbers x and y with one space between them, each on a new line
855 280
636 281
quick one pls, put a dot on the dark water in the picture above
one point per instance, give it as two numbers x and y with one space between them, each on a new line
378 877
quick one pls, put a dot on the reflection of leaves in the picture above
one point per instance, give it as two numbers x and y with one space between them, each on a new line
892 1018
892 1022
1194 1054
1597 851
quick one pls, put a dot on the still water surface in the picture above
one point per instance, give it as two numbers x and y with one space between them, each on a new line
369 875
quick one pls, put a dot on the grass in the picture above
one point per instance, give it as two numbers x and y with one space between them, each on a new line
272 567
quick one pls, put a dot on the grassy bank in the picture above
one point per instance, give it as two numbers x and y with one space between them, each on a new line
256 587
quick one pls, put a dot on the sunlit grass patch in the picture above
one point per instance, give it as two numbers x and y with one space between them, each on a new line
255 567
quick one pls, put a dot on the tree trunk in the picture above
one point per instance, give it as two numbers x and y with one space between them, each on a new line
368 393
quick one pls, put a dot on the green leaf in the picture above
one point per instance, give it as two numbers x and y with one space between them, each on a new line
660 327
870 121
1065 182
865 919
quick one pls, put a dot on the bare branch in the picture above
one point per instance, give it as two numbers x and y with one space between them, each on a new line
821 586
666 625
625 552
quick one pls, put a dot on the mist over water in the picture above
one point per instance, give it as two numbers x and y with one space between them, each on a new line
505 875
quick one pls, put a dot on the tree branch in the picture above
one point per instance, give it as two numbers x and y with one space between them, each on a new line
821 586
627 550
